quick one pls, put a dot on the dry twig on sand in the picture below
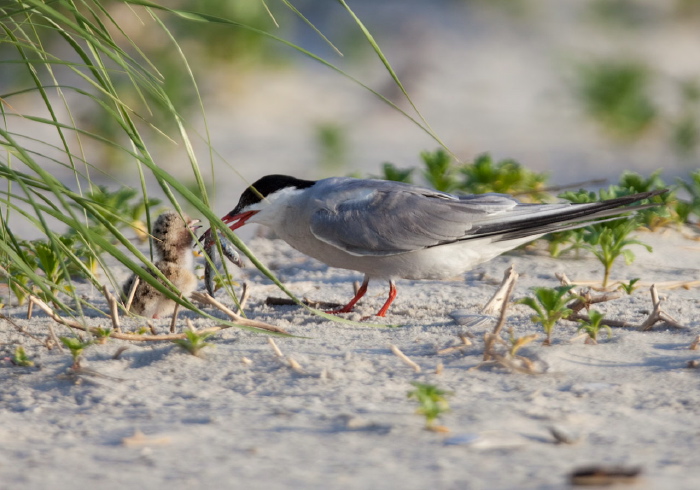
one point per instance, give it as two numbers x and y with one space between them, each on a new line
501 295
113 308
397 352
275 349
657 314
132 292
235 317
464 343
129 336
493 356
586 299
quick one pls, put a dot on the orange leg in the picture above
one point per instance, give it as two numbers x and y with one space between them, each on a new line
392 296
360 293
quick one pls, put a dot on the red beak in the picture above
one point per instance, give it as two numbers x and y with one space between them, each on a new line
237 220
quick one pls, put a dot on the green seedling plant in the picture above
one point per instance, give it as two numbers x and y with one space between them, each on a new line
685 209
629 287
76 347
439 171
652 218
102 334
608 241
18 281
483 175
194 341
550 305
20 358
432 402
50 261
505 177
593 325
393 173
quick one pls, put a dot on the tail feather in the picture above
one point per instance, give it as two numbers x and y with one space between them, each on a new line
576 216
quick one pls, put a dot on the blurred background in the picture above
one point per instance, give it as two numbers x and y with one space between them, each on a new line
581 89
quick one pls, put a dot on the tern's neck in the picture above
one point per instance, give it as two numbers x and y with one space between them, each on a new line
273 210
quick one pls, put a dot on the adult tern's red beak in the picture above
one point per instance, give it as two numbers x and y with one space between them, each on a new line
235 221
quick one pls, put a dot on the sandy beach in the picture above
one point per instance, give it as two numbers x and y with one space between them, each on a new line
333 411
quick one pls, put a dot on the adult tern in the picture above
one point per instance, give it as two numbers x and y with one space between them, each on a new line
391 230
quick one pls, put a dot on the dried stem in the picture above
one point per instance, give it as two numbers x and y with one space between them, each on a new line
495 336
509 278
657 314
132 292
245 294
206 299
276 349
397 352
116 335
113 309
173 320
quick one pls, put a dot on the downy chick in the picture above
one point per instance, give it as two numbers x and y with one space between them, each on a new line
172 240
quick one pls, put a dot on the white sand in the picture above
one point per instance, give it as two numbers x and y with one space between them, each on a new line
345 421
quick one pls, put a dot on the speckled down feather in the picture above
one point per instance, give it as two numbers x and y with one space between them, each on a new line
172 241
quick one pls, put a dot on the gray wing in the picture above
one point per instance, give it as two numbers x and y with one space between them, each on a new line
387 218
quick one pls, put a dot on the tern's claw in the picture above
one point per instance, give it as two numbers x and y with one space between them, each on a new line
209 248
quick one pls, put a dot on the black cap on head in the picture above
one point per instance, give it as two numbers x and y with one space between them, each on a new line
265 186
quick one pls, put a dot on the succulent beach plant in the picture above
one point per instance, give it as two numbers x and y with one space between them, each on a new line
76 347
20 358
550 305
194 341
592 326
432 402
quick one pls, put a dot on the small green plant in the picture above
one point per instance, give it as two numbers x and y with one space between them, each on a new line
439 171
609 240
432 402
684 209
76 347
102 334
17 280
593 325
505 177
629 287
631 183
194 342
550 307
20 358
50 260
395 174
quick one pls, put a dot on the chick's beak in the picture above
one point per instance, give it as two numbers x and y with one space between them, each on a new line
194 225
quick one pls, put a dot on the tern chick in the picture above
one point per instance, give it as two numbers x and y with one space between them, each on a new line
172 241
391 230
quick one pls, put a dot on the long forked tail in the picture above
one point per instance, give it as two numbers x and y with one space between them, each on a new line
576 216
